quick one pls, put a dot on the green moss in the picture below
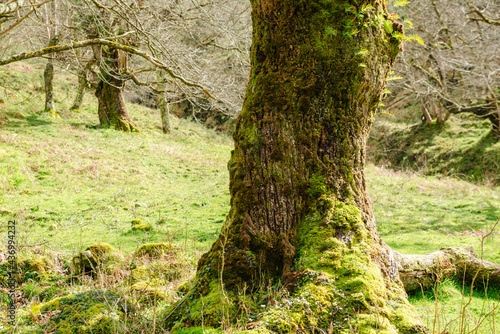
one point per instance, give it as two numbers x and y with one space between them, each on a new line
136 221
93 258
35 267
100 249
317 186
87 312
200 330
207 308
339 248
144 227
147 294
155 250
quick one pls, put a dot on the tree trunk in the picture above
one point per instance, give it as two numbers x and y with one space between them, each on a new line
164 106
165 114
48 81
111 102
82 86
299 213
48 76
427 116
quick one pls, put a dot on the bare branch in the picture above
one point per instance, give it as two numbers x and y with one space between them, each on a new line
100 41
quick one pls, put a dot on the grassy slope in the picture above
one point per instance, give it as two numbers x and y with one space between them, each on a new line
464 146
70 185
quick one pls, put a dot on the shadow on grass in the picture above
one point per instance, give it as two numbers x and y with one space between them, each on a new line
34 120
454 148
482 160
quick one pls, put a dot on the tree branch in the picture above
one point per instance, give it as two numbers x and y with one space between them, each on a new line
100 41
11 7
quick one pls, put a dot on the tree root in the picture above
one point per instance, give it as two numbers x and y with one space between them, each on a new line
423 271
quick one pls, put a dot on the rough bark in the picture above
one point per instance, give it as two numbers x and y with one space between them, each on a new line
111 102
48 80
299 210
423 271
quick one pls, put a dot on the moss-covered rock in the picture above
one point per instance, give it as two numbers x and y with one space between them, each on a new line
144 227
155 250
35 267
93 258
87 312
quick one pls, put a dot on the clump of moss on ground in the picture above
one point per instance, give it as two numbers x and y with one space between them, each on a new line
94 258
87 312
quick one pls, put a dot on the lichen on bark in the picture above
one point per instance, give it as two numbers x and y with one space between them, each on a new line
300 216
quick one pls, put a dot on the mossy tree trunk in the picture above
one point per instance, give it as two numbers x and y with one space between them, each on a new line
165 114
111 102
299 213
82 86
164 106
48 82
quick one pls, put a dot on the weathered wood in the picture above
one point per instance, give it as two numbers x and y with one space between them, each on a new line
422 271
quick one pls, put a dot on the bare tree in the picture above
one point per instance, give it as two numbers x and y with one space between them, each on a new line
203 57
457 70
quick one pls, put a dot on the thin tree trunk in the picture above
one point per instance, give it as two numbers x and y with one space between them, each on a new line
165 114
48 80
164 107
425 112
300 215
82 87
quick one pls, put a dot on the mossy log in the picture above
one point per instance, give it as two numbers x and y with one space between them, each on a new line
423 271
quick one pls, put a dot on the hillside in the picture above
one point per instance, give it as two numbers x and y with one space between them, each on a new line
465 146
69 185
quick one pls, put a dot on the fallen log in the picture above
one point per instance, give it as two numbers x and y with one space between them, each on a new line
423 271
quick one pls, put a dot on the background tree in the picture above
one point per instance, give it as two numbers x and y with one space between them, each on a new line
299 210
177 37
457 68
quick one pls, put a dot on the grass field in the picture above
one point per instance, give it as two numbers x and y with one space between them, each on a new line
68 185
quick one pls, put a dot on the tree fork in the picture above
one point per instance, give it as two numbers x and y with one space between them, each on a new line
300 215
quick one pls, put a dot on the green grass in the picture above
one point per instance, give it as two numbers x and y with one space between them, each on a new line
458 311
68 185
418 214
65 181
464 146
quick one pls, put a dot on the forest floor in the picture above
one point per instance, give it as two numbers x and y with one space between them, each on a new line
69 185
